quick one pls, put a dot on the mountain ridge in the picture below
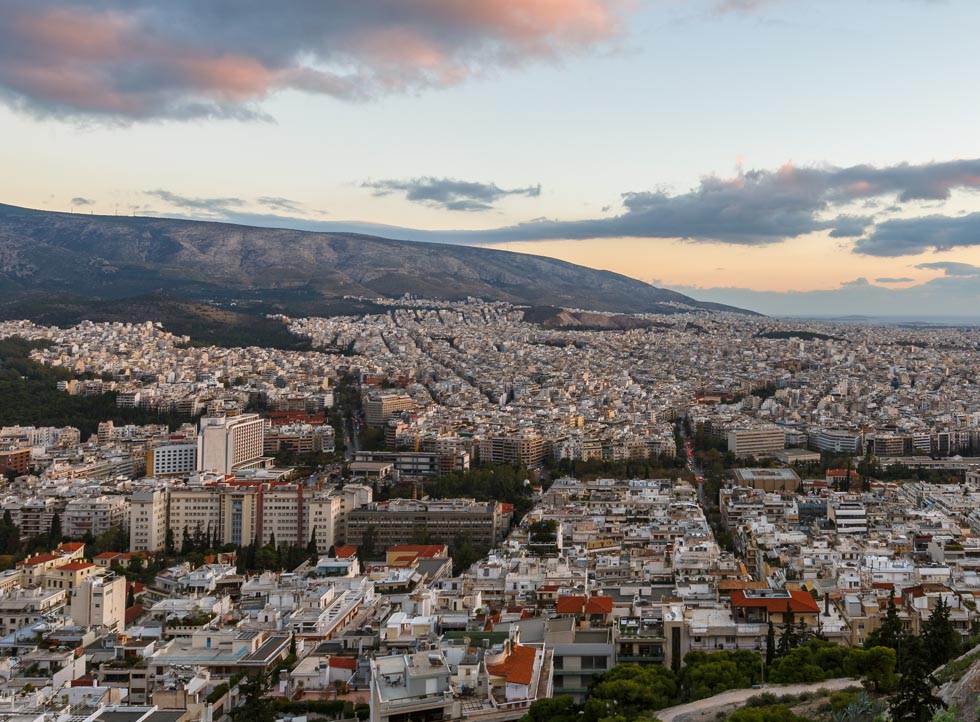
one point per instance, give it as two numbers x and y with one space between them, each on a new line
108 257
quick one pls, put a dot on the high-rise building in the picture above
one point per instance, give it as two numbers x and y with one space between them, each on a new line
226 444
238 513
756 441
378 408
94 515
100 601
403 521
171 459
148 521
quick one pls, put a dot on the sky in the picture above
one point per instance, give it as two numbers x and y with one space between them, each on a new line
793 157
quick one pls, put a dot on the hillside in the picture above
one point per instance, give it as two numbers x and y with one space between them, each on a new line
257 269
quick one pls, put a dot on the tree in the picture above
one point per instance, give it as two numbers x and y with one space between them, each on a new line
876 666
9 535
890 633
939 637
787 640
369 538
311 547
254 708
553 709
169 546
631 691
54 533
770 644
914 700
130 594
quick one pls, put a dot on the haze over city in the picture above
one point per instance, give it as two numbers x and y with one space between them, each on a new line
788 157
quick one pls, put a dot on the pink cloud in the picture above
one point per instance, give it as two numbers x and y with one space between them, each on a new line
178 58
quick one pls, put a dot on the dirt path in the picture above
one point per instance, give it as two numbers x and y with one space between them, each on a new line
708 707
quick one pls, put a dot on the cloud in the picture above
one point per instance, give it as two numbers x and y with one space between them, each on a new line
80 201
910 236
239 210
209 206
901 279
448 193
950 268
146 59
944 296
755 207
280 204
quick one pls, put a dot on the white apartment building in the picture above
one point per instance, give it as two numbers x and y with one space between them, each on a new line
100 601
238 513
148 521
848 514
230 443
756 441
171 459
94 515
838 441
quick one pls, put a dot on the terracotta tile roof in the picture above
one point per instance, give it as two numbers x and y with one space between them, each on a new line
578 604
518 668
599 605
345 551
38 559
798 601
570 604
70 547
423 551
107 555
133 613
76 566
344 663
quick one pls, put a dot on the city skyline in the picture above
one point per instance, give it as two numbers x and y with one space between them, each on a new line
773 155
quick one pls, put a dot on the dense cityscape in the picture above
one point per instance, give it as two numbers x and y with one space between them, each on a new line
489 361
448 511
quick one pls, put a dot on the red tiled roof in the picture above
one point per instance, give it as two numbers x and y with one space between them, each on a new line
133 613
424 551
76 566
518 668
71 546
578 604
345 551
506 508
344 663
599 605
798 601
570 604
107 555
38 559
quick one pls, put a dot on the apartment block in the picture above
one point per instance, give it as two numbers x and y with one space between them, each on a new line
403 521
94 515
226 444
